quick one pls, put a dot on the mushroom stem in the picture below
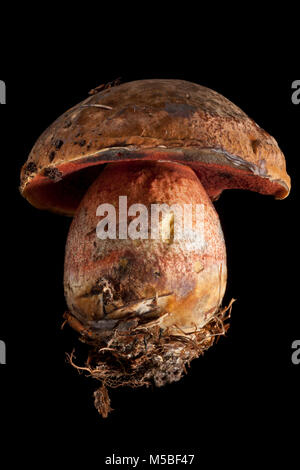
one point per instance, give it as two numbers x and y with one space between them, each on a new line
145 270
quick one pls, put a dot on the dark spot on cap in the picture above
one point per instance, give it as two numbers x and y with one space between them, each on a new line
58 144
79 142
180 109
51 156
53 174
68 123
30 168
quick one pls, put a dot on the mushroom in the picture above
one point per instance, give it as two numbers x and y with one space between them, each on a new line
148 306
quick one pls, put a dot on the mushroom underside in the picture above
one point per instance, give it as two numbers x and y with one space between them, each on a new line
60 188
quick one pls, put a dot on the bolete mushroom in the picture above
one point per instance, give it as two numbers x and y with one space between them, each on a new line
148 306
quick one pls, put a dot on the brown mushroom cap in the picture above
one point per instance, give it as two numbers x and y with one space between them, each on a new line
171 120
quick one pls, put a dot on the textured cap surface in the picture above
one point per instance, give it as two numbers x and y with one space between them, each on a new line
171 120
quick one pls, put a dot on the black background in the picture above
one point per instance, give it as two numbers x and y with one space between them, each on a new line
243 395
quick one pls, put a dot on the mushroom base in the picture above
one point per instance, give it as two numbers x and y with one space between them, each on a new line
145 354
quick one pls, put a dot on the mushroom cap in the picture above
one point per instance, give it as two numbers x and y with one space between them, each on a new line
165 120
